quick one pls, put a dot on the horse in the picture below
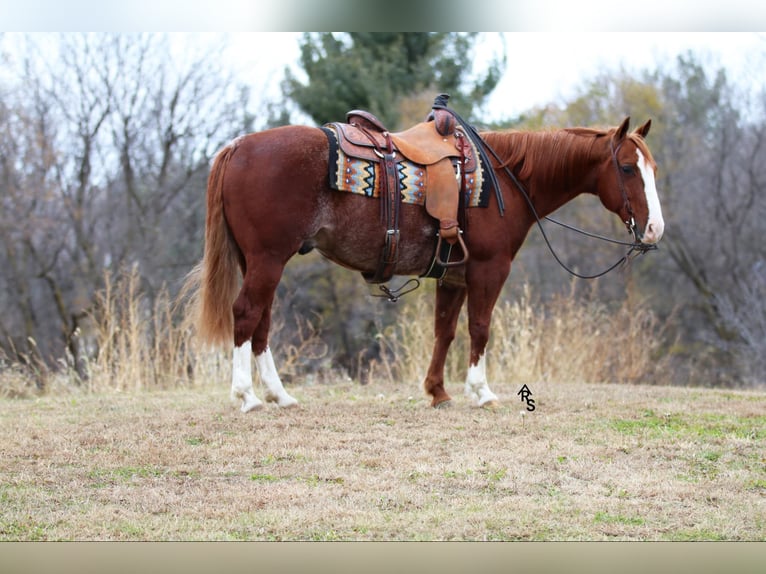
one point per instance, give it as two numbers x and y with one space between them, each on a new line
268 199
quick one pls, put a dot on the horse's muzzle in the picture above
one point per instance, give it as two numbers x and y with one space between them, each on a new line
653 232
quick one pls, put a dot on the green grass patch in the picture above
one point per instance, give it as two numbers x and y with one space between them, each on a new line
325 536
702 535
270 459
711 456
316 480
651 423
759 484
702 426
195 440
495 475
259 477
12 530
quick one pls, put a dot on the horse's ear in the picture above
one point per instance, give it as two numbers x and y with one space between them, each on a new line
644 129
622 131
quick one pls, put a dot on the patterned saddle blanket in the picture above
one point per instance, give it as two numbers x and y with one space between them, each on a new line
358 170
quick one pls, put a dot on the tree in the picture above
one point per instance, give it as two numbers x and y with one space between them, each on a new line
105 144
711 151
379 72
715 152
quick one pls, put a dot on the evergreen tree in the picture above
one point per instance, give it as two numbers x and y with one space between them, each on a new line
381 72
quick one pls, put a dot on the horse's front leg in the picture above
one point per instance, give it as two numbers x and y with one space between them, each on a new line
449 300
485 283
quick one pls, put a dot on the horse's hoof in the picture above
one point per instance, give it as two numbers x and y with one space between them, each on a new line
247 401
443 405
250 406
290 403
284 402
491 405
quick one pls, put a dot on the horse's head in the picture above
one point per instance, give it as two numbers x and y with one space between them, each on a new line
627 185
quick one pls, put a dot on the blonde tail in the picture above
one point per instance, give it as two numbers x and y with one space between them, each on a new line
213 283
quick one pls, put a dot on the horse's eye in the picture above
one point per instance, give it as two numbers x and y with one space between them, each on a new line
627 169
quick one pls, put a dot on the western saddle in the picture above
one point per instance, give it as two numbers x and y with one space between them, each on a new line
441 146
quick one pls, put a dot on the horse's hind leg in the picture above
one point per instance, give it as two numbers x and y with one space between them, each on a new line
252 317
275 391
242 378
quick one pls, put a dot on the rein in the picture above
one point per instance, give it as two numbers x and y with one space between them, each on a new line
636 247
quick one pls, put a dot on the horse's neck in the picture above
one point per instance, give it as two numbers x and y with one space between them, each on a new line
557 166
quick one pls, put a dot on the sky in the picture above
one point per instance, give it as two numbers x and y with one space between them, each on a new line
543 67
549 67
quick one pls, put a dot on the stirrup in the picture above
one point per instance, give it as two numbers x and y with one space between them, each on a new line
462 247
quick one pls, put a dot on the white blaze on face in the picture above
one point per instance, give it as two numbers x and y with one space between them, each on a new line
655 225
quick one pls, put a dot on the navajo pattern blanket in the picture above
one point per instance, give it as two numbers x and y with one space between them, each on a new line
363 177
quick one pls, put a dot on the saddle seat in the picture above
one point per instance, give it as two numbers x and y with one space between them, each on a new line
423 143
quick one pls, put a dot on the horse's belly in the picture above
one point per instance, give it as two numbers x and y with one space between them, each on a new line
357 242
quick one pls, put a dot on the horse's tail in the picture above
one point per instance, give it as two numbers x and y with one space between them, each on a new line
212 285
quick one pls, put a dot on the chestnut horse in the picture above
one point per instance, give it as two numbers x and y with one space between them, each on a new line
268 198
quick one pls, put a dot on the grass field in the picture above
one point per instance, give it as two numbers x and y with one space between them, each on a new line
592 462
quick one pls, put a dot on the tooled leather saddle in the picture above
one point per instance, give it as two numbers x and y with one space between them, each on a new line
448 154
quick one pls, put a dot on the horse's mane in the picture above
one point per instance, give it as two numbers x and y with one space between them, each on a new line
562 151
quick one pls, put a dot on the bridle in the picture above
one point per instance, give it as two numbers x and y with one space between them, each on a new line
630 223
635 248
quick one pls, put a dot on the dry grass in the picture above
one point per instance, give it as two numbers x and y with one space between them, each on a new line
373 462
142 346
570 339
138 345
147 447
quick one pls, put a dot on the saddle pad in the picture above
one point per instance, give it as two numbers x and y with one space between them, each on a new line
363 177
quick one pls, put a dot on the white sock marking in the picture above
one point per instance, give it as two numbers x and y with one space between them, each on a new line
275 390
242 378
476 386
